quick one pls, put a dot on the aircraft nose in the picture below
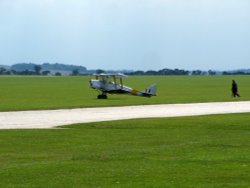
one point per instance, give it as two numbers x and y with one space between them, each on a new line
94 84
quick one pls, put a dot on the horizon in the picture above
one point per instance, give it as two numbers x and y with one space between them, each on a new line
138 35
203 70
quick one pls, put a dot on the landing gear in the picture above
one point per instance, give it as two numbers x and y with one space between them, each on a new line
102 96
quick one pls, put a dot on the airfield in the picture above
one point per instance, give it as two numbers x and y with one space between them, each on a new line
54 132
53 118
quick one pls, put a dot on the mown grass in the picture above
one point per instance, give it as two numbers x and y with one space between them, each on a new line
27 93
205 151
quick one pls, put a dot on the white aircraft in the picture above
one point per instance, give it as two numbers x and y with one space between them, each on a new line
104 85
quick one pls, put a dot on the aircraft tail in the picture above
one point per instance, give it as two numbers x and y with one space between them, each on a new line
150 91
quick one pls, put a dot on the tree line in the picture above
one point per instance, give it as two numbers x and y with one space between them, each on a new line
38 70
186 72
42 69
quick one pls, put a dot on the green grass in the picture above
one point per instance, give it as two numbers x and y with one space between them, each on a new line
26 93
205 151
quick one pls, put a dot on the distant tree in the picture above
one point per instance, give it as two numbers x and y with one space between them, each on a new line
13 72
150 72
180 72
46 72
75 72
26 72
139 72
210 72
166 72
8 72
2 70
235 73
58 74
37 69
196 72
100 71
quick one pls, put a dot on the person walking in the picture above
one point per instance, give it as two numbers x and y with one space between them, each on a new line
235 89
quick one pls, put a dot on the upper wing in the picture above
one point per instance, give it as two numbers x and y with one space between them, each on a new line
117 75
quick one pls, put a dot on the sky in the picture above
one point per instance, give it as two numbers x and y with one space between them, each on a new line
127 34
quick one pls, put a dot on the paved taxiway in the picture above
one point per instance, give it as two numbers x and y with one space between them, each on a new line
52 118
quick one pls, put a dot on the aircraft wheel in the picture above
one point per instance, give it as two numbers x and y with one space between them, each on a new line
102 97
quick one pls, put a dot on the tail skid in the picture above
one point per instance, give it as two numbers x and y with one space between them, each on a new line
150 91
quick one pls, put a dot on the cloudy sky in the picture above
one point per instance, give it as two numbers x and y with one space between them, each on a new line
127 34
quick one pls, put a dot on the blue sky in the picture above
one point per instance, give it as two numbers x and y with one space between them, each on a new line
127 34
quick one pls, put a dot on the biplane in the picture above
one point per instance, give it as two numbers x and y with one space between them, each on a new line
113 84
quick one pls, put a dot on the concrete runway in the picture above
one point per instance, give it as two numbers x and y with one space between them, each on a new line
51 118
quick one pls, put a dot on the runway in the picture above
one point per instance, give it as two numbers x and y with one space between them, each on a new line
41 119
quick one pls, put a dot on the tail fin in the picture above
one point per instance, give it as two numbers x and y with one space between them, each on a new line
151 90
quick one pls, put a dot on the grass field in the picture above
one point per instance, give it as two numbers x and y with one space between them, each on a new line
206 151
26 93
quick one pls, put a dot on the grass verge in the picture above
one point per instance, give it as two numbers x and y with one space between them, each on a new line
204 151
32 93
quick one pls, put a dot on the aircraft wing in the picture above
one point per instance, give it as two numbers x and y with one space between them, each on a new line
117 75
